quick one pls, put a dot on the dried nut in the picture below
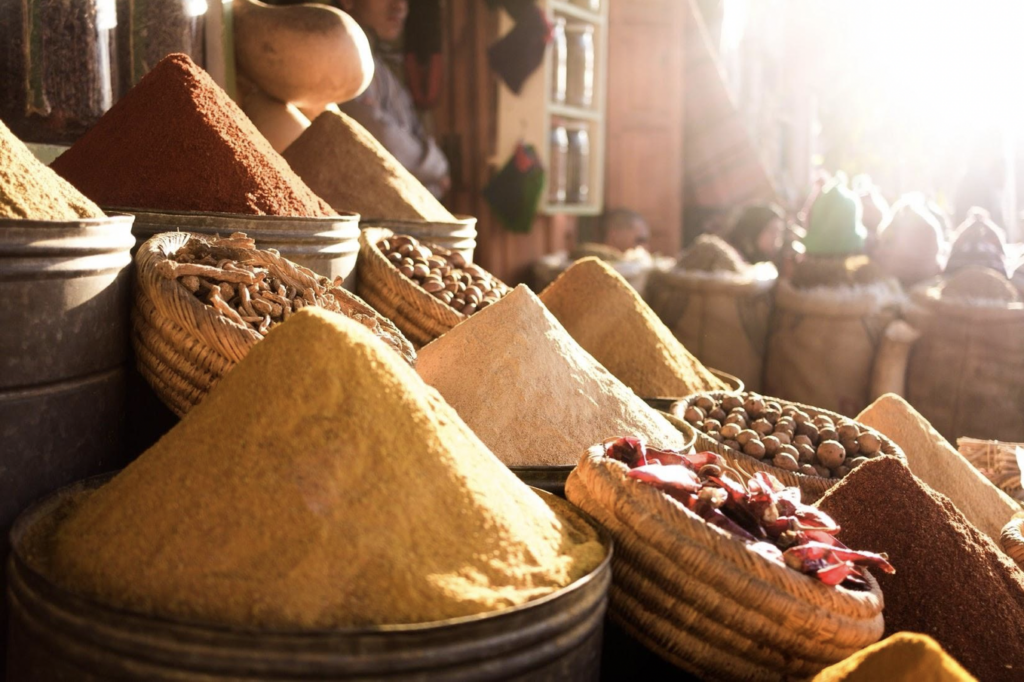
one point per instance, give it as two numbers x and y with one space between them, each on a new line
831 454
763 427
801 417
805 454
731 444
705 403
740 411
754 448
852 447
869 443
436 262
433 286
783 437
808 429
771 415
786 461
823 471
822 422
710 425
754 405
456 260
474 291
828 434
788 450
848 431
694 415
808 470
736 419
407 249
458 304
790 410
718 413
420 271
771 445
715 435
730 430
855 462
469 308
406 270
802 440
451 286
395 257
384 245
399 240
786 422
731 402
745 436
840 471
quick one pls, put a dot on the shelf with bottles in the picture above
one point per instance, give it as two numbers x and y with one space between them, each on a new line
584 10
571 168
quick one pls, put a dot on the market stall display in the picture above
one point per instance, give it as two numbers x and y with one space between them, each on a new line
513 369
966 370
945 470
718 306
1012 539
978 242
609 320
1000 462
937 551
803 446
903 657
911 244
709 573
635 265
424 288
201 304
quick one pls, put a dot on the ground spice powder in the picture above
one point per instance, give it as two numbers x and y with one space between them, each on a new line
606 316
31 191
904 657
951 582
346 165
940 466
320 484
529 391
177 142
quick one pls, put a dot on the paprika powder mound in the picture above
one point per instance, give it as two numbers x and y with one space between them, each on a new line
177 142
951 583
606 316
346 165
31 191
529 391
320 484
904 657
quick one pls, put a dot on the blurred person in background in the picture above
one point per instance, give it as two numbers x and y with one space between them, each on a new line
386 108
624 229
759 232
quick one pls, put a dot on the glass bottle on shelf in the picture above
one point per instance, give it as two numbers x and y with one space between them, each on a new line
558 158
579 65
592 5
559 58
578 181
154 29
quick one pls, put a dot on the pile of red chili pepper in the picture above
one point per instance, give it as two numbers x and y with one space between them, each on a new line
763 513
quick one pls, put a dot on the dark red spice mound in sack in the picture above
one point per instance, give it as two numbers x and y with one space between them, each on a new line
177 142
951 581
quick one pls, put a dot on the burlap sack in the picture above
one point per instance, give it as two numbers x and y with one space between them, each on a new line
721 317
966 372
822 343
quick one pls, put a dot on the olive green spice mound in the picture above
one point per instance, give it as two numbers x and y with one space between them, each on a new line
320 484
606 316
29 190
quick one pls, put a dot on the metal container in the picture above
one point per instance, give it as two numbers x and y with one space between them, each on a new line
327 246
579 65
578 173
558 165
63 348
56 635
459 236
149 30
559 59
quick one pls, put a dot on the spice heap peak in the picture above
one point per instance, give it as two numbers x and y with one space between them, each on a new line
177 142
320 484
606 316
31 191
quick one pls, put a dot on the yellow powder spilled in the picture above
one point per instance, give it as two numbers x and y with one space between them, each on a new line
609 319
343 163
320 484
529 391
29 190
936 463
903 657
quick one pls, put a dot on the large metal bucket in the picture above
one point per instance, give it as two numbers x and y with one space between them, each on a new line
56 635
459 236
63 347
327 246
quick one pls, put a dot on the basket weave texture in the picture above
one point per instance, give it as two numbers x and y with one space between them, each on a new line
1012 539
702 600
812 488
183 347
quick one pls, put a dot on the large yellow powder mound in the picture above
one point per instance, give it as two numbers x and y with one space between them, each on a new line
904 657
606 316
936 463
320 484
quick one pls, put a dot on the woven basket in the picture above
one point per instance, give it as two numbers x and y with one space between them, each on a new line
420 316
998 461
1012 539
702 600
811 487
183 347
664 404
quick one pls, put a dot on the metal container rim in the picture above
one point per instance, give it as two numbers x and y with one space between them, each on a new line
113 217
342 216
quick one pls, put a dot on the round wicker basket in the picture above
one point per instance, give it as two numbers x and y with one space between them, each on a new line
701 599
183 346
811 487
1012 539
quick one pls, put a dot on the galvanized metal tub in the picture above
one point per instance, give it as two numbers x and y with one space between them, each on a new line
56 635
327 246
63 350
457 236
